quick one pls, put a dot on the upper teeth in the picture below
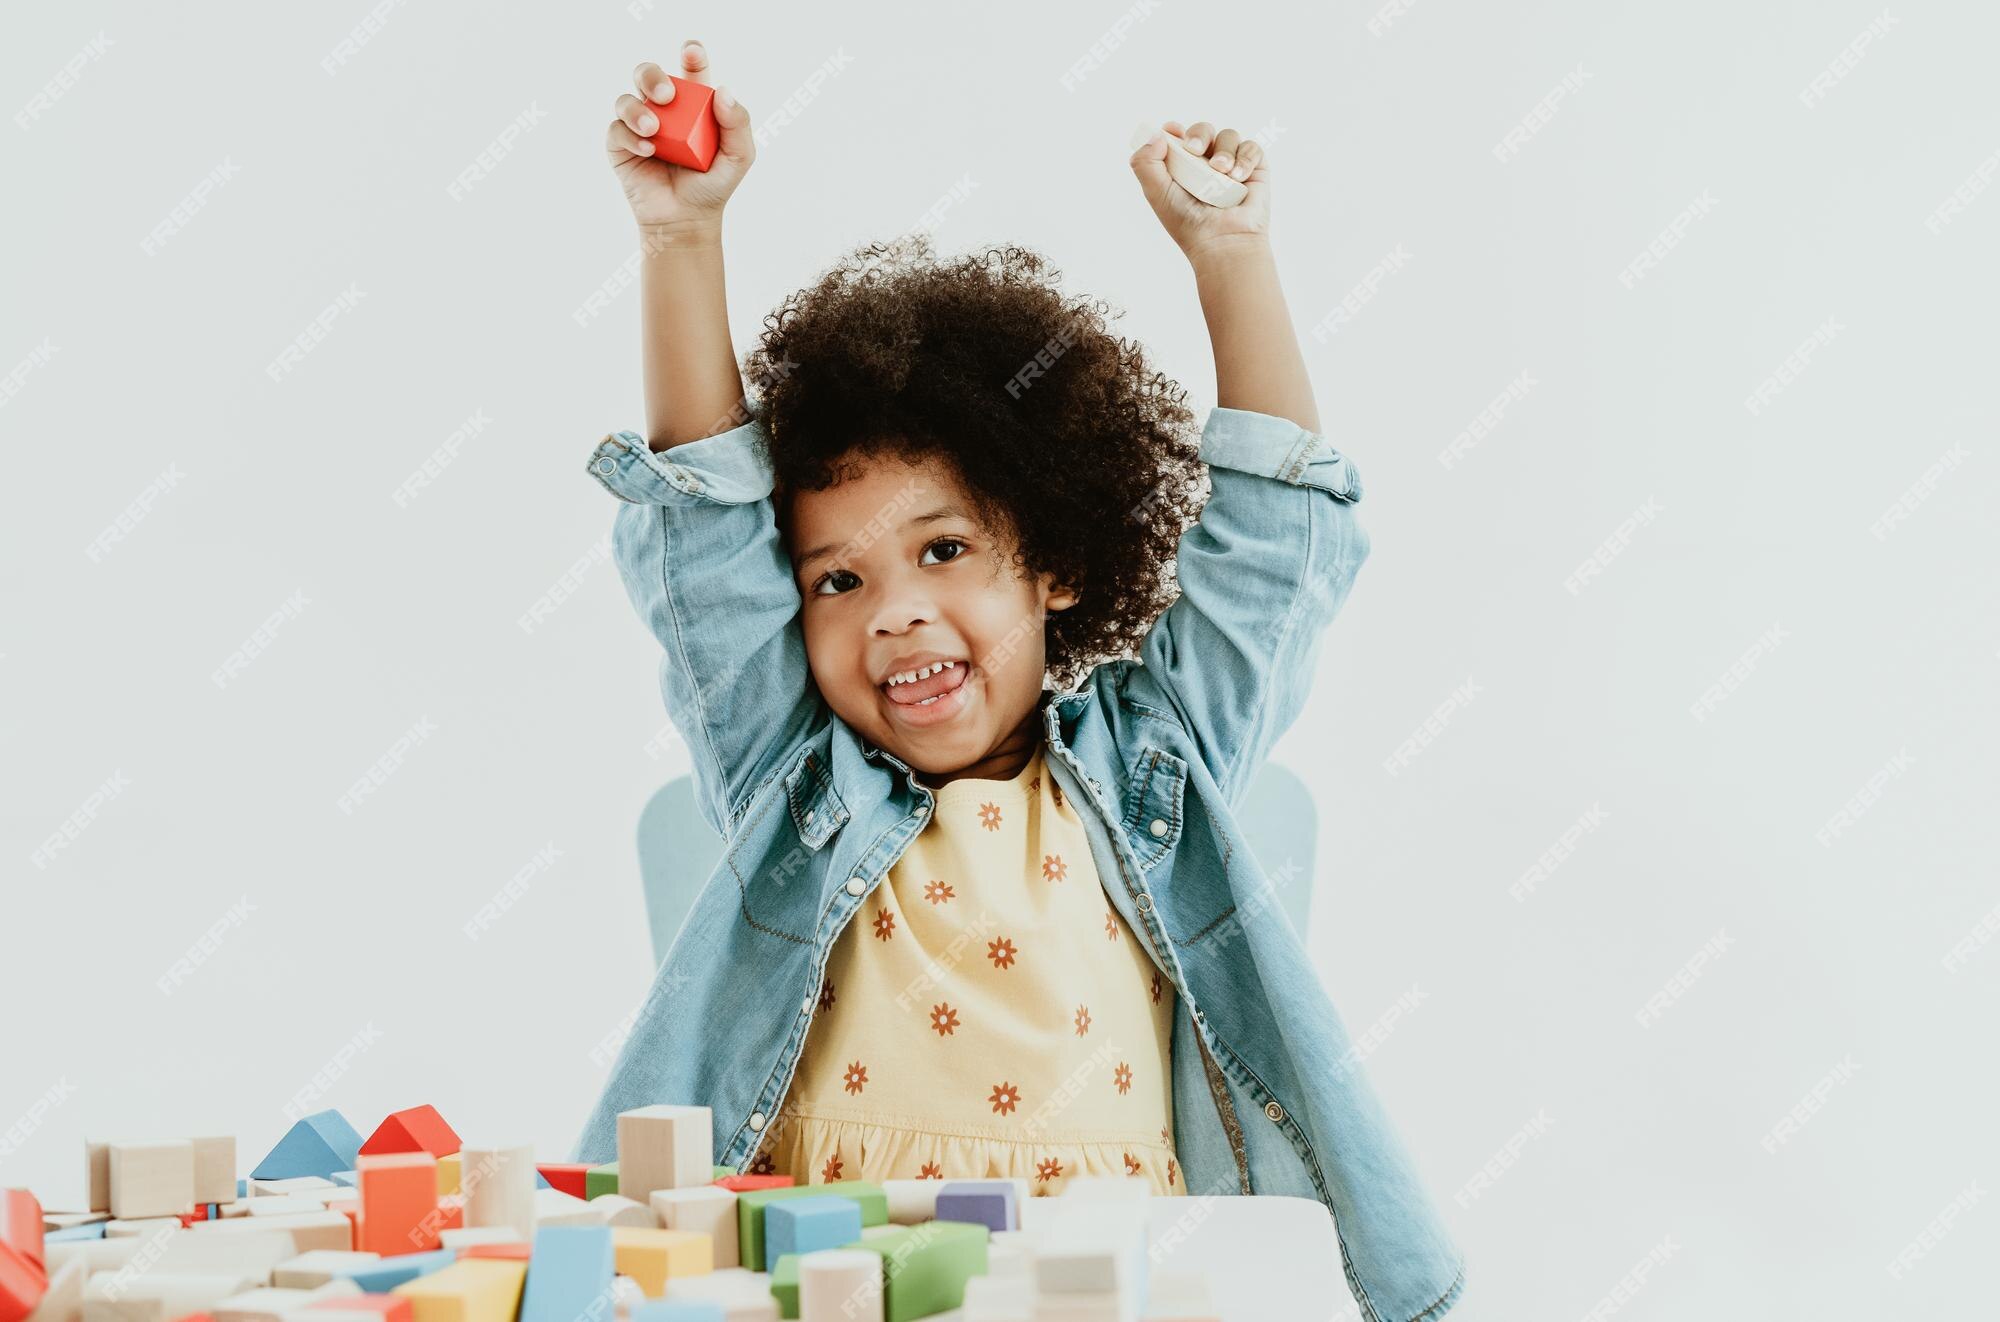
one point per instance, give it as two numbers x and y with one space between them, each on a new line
920 672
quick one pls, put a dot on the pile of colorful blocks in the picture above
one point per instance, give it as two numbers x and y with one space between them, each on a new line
411 1226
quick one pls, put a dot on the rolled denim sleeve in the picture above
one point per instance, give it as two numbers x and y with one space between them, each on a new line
697 545
1262 574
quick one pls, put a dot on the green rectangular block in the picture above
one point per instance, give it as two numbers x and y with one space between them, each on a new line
750 1207
600 1179
721 1171
925 1266
785 1284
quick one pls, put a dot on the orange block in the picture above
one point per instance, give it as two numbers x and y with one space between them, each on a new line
688 134
567 1176
751 1183
419 1129
515 1251
390 1307
399 1203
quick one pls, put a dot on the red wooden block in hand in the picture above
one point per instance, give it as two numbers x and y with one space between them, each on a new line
746 1183
568 1176
688 134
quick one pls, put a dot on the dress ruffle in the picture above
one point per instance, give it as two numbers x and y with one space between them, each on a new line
815 1150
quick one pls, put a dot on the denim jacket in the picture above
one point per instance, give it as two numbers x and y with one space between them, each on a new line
1269 1096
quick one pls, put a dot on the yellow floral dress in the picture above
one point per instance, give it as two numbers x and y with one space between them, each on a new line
985 1014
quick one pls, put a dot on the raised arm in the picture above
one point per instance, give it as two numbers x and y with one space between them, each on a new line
1275 552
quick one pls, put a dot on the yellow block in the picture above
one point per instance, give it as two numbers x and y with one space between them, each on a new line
651 1256
448 1174
470 1290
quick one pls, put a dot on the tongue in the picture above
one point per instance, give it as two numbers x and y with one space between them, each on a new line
944 681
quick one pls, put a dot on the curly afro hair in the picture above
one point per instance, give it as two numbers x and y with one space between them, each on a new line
1061 432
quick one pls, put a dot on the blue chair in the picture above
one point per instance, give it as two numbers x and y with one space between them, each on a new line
678 851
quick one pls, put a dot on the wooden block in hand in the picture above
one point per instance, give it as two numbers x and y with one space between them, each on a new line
688 134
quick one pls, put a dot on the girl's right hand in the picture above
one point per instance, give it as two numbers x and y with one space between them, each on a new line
673 196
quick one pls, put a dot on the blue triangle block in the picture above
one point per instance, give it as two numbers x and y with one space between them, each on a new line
320 1144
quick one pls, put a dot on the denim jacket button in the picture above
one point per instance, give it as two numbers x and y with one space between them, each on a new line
1158 828
1275 1111
855 885
606 464
756 1119
1145 902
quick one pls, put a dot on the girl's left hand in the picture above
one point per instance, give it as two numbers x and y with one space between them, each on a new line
1191 222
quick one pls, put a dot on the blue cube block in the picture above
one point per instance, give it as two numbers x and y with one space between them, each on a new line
990 1203
392 1272
569 1269
803 1225
679 1310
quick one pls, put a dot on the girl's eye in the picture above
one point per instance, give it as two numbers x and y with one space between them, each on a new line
823 580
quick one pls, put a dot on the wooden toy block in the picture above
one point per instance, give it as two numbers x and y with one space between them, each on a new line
152 1297
97 1175
553 1207
911 1201
63 1300
650 1255
418 1129
513 1250
399 1203
305 1186
346 1179
571 1269
1179 1296
319 1144
608 1209
69 1234
399 1270
358 1308
152 1179
448 1174
307 1271
679 1310
843 1284
214 1168
703 1208
688 134
71 1220
664 1147
1201 180
470 1290
465 1237
567 1176
924 1268
1096 1252
116 1228
989 1202
752 1183
500 1188
626 1296
750 1208
745 1296
272 1304
451 1208
280 1205
785 1284
307 1230
600 1180
998 1299
804 1225
23 1283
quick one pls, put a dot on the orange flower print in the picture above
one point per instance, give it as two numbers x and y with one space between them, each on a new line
1048 1169
1110 925
1131 1164
989 816
931 1171
1122 1076
1055 790
938 892
1165 1137
763 1165
856 1077
1082 1020
1157 983
944 1019
1170 1172
885 924
1005 1098
831 1171
1001 952
1053 867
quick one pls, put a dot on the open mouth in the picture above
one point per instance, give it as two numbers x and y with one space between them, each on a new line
936 697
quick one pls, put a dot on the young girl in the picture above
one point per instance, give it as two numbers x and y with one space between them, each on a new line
971 923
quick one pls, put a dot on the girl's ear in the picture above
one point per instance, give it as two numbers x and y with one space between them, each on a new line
1060 599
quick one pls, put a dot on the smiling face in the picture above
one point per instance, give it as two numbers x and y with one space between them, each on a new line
896 573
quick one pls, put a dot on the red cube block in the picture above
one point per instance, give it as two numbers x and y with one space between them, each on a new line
399 1203
688 134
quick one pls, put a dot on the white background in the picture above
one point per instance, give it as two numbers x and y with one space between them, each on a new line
123 365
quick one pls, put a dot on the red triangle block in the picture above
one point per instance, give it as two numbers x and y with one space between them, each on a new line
419 1129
